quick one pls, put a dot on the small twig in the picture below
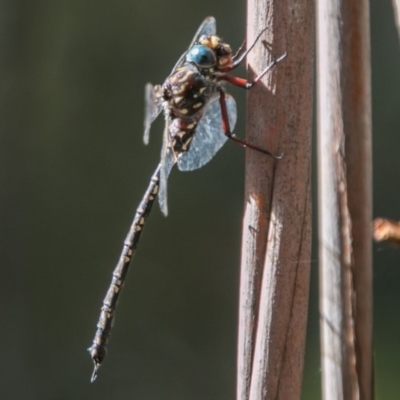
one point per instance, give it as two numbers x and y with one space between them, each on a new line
386 230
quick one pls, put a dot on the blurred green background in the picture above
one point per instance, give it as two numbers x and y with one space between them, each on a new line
73 170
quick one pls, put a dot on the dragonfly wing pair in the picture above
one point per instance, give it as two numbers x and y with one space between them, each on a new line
152 109
207 141
208 27
153 105
208 136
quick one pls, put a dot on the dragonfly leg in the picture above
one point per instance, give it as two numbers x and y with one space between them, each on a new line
239 56
227 130
244 83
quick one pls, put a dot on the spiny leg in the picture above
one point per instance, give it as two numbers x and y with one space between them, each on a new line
227 131
98 350
238 58
245 84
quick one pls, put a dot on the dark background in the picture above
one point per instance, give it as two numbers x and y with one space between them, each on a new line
73 170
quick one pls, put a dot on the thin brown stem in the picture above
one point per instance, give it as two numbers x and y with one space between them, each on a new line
276 231
344 153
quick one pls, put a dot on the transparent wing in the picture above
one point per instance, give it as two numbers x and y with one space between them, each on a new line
153 105
207 27
209 136
152 108
167 162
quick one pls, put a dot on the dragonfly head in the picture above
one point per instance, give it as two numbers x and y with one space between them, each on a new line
222 50
202 56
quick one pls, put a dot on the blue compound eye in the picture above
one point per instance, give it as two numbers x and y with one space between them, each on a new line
202 56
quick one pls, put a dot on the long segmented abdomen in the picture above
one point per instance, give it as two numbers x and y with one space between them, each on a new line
98 350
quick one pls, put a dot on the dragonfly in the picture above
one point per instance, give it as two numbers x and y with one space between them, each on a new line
199 118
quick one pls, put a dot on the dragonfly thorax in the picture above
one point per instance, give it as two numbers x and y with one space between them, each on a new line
186 91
